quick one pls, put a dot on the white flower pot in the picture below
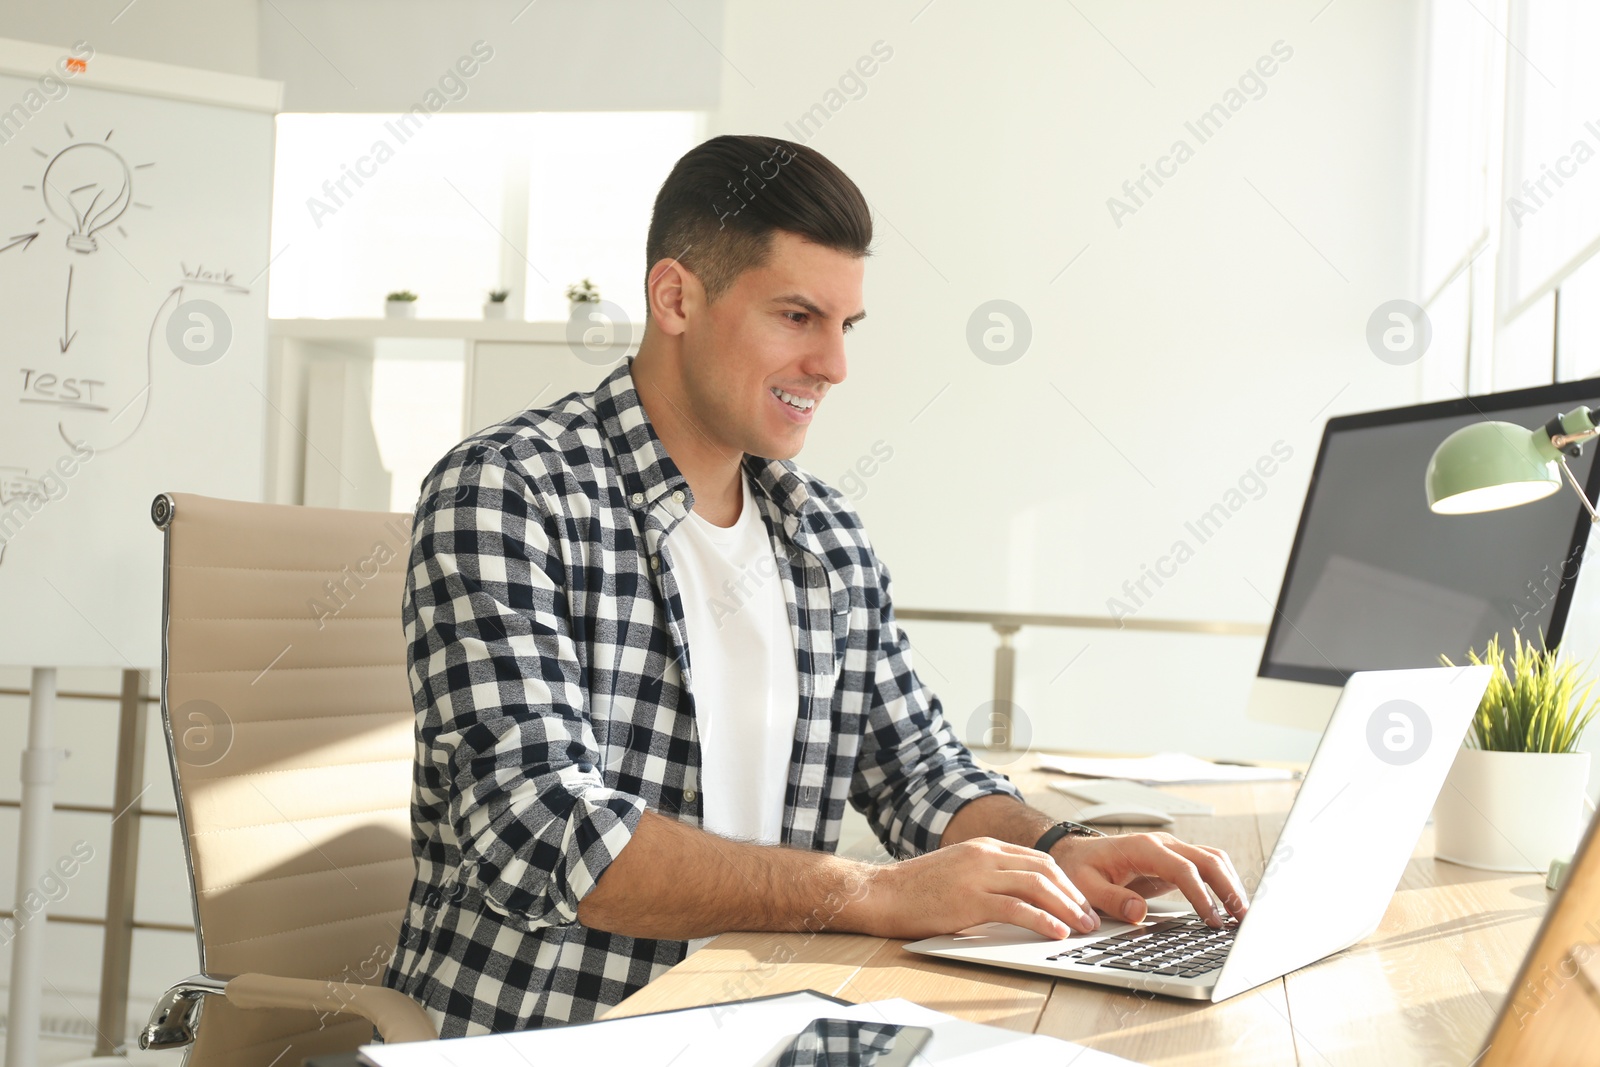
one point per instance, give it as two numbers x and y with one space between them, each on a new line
494 309
399 309
1511 811
578 310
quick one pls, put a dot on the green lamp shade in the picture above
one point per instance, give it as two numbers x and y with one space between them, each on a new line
1488 466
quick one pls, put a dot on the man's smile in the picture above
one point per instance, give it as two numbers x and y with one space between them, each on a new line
796 406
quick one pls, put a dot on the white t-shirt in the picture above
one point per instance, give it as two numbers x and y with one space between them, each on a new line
742 672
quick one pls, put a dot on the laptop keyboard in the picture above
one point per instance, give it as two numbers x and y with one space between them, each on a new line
1181 948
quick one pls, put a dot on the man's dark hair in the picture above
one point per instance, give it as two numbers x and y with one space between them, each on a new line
717 210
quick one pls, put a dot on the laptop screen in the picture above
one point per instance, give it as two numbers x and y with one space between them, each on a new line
1378 581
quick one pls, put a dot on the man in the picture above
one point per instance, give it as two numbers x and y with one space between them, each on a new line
652 658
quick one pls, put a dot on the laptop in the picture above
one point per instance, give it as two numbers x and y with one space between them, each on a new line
1343 849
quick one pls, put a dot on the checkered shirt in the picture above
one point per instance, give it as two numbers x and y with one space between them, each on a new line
551 678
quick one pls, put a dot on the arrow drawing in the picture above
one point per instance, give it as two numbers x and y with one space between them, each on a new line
67 332
173 298
23 239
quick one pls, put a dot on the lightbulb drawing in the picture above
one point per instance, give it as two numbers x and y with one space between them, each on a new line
88 187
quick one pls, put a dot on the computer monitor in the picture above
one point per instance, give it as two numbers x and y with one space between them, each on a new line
1376 580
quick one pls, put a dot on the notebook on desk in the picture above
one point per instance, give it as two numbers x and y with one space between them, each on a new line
1164 768
752 1032
1330 876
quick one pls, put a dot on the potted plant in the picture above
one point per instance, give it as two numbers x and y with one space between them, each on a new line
495 306
401 304
1513 800
581 298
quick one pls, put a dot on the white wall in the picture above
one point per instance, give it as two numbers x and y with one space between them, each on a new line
1224 315
383 55
209 34
553 55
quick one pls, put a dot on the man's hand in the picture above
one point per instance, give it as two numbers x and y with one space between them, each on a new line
977 881
1117 873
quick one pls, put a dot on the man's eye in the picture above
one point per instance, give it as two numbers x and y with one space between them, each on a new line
849 326
797 317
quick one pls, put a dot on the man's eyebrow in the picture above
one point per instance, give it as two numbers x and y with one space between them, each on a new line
796 298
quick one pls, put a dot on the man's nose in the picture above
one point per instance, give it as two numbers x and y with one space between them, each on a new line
828 361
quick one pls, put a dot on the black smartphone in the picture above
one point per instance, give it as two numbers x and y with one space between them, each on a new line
851 1043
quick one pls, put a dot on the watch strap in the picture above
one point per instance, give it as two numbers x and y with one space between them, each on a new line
1065 828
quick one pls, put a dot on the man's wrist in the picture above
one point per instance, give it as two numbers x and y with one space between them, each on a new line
997 815
854 901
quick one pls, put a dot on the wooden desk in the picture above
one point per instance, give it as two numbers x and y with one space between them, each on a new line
1423 989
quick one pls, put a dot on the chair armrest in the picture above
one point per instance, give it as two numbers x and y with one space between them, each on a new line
397 1017
176 1016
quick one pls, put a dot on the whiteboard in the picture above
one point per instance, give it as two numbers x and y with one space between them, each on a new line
134 212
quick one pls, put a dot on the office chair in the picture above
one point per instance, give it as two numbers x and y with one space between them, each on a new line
288 721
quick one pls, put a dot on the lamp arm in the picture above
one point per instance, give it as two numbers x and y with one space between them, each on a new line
1572 480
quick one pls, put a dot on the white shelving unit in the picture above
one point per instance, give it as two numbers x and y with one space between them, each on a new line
320 447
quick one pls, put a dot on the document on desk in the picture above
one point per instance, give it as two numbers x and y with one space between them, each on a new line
1164 768
748 1033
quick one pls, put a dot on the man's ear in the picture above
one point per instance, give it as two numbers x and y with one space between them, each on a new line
674 293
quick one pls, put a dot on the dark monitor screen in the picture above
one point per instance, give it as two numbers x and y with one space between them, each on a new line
1378 581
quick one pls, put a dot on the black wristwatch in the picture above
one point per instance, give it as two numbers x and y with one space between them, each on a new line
1065 828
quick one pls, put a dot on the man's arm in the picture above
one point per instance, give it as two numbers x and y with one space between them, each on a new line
510 761
675 881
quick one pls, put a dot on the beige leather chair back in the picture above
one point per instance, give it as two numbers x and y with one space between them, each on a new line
288 719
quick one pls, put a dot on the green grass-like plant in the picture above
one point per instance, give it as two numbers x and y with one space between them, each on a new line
1542 705
404 296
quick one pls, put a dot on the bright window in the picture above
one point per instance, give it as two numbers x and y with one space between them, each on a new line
367 204
1552 206
1462 111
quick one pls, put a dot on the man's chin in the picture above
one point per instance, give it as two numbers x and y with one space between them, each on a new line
785 446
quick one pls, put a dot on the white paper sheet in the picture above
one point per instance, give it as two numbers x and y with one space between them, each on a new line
1164 768
751 1033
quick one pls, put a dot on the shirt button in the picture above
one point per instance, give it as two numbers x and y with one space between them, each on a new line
688 796
655 563
678 496
638 498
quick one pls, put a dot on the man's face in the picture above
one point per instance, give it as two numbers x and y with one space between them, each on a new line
779 329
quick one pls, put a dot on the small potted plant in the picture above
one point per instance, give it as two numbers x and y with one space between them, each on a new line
582 297
401 304
1513 800
495 306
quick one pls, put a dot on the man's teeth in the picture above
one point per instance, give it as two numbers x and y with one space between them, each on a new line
794 401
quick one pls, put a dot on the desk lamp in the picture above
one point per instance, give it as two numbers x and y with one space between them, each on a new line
1492 465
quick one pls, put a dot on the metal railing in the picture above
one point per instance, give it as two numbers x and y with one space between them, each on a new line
127 793
1006 624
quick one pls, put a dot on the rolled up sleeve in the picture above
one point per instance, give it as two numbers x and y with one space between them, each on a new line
505 740
913 773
